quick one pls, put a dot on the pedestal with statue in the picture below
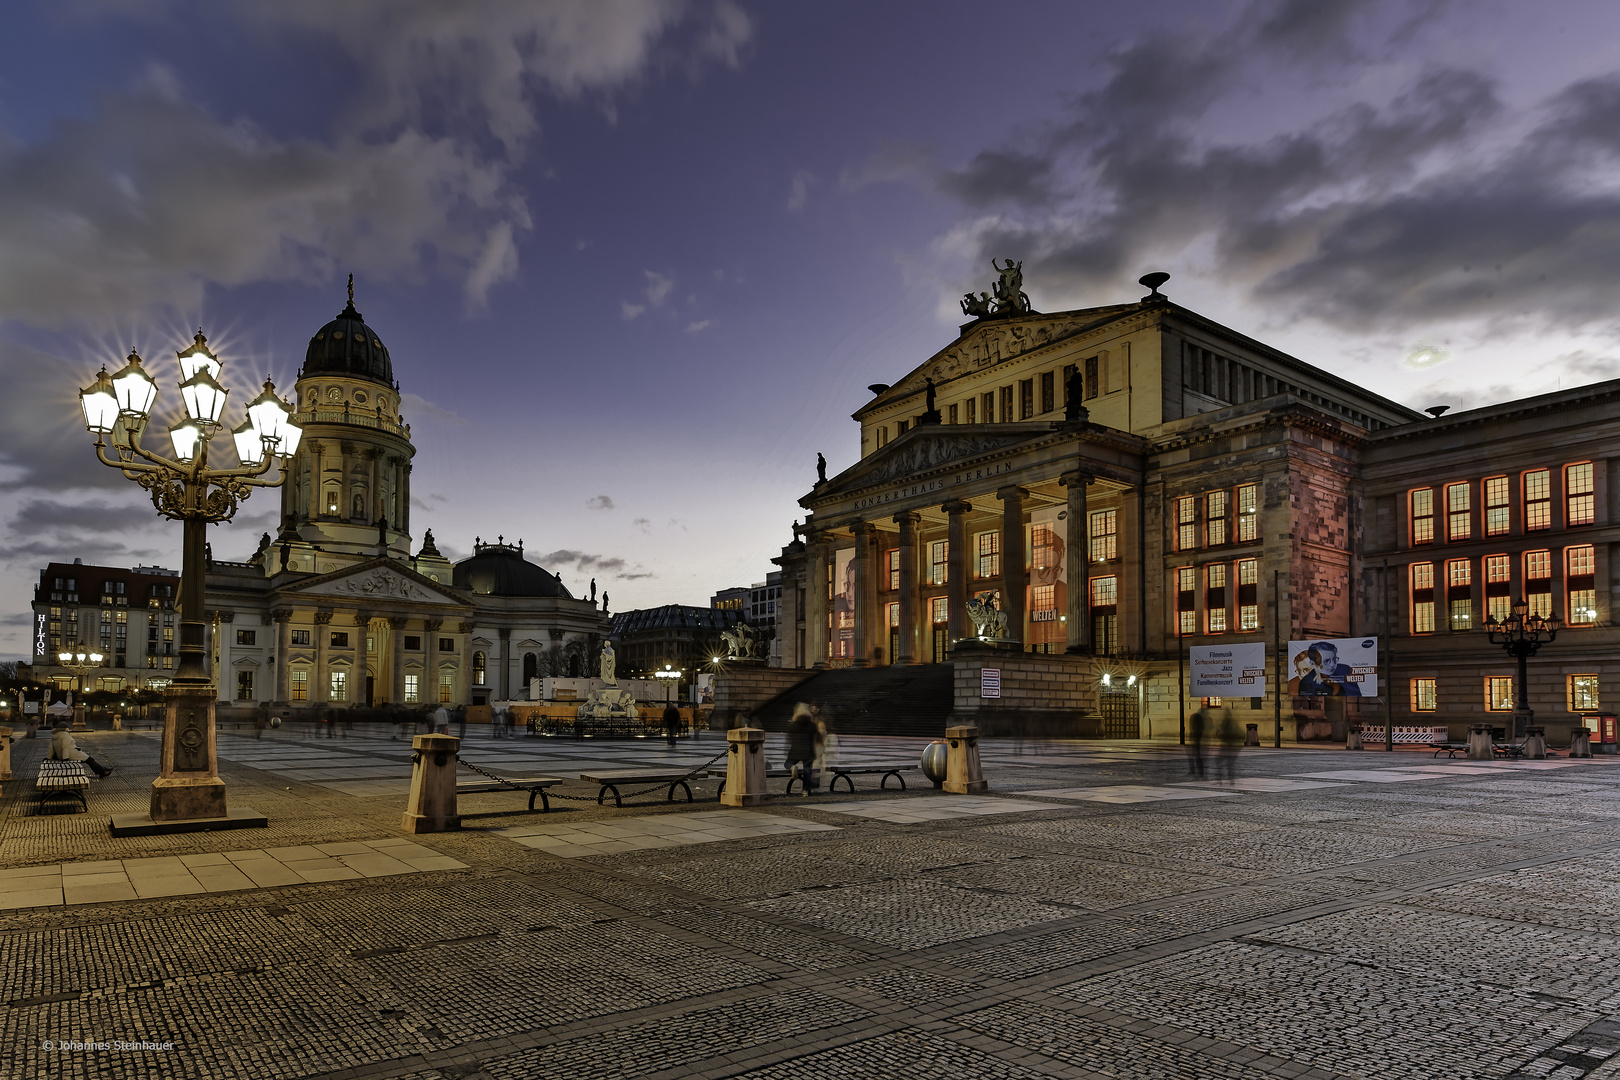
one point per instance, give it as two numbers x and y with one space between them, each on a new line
609 702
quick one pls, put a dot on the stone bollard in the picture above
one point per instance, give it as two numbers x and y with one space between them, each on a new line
745 768
1479 743
433 785
1535 742
5 753
118 721
1580 742
963 776
1352 739
1251 734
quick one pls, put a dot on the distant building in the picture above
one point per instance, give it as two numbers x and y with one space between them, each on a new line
734 599
758 604
126 614
677 636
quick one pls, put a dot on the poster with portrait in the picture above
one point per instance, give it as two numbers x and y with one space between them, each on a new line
1048 600
1228 670
843 605
1332 667
703 689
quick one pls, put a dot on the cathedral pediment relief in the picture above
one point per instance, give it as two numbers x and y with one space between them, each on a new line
378 581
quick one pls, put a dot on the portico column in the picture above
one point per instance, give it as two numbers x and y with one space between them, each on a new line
463 683
430 695
502 681
323 636
223 677
317 497
396 628
1077 558
815 602
1014 575
958 571
283 620
362 662
908 586
861 602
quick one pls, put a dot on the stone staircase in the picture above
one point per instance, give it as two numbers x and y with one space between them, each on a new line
910 700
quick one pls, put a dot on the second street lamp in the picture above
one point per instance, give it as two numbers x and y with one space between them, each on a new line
116 410
79 662
1522 634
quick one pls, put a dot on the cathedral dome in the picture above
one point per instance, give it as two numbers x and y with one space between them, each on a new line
347 346
501 570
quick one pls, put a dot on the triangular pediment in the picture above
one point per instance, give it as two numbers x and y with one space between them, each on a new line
379 580
924 449
990 341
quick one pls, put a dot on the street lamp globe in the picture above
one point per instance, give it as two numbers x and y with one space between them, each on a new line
134 388
100 404
185 436
204 398
197 357
249 444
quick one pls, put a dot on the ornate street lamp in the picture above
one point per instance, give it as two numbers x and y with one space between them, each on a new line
1522 635
79 662
116 409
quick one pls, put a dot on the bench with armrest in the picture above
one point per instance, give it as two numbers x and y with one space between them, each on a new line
534 785
58 779
610 781
847 772
1450 749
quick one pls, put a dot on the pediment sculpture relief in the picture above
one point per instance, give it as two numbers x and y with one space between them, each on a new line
382 583
929 454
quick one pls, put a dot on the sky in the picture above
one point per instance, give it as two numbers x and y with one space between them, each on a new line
636 261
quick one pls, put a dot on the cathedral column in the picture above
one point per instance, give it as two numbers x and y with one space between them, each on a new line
1077 560
504 678
223 677
959 567
374 494
430 695
909 613
402 495
361 669
396 681
317 497
861 602
1014 572
463 679
345 490
815 601
283 621
322 689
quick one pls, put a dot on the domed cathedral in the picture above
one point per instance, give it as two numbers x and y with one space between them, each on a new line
349 496
335 612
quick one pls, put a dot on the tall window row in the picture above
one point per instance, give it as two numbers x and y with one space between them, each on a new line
1453 609
1468 509
1214 519
1581 694
1230 594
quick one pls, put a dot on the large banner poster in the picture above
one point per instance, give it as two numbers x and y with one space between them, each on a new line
1048 574
843 628
1333 667
1229 670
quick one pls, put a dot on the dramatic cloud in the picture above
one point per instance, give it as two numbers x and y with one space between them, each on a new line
1371 206
585 563
599 502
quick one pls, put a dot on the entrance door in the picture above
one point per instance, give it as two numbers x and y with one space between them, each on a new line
370 684
1120 717
941 642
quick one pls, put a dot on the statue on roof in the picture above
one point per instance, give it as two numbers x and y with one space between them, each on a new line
821 468
1010 295
979 306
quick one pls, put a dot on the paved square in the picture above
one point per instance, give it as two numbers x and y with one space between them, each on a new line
665 830
1125 794
909 813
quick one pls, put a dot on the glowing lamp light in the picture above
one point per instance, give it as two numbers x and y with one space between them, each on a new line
1131 681
1107 679
134 388
249 446
65 657
204 398
100 404
291 435
267 413
95 658
186 436
198 358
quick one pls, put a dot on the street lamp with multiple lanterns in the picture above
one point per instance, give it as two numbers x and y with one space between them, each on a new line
79 662
1522 634
117 409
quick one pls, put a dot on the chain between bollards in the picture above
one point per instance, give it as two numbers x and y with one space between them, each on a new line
586 798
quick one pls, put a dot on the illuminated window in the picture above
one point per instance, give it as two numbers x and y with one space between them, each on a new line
1187 600
1583 693
332 500
1215 597
479 668
340 686
1579 506
894 569
244 686
1043 547
1248 577
411 689
1104 535
1497 512
989 561
941 606
1581 582
1423 696
1248 517
300 637
1423 598
1186 523
1537 500
894 615
1499 693
1043 598
939 562
447 685
1459 511
1423 516
1104 616
1538 582
1460 594
1215 518
1498 587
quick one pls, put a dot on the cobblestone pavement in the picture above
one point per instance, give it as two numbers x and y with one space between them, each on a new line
1098 913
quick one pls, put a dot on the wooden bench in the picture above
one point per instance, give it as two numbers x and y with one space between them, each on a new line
534 785
845 772
1509 749
60 778
1450 749
610 781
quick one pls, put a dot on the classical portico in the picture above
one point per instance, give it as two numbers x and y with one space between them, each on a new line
942 515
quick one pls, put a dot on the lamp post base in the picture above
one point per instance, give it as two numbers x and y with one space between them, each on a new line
188 786
78 719
178 798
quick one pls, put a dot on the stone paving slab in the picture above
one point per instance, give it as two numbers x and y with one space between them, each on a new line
1125 794
1261 783
580 840
935 808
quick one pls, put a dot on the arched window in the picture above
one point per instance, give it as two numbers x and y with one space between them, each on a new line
478 669
531 667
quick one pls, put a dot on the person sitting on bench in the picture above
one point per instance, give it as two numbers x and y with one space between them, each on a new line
63 748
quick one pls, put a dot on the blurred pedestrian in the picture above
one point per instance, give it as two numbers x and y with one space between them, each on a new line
672 722
1198 729
801 734
819 768
440 721
1230 739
